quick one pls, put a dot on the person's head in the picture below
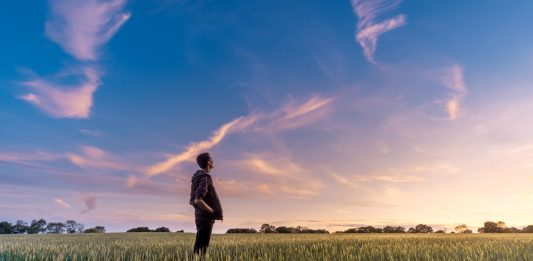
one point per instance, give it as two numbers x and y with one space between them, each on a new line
204 161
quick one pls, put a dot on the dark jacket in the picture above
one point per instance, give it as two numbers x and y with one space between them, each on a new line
202 188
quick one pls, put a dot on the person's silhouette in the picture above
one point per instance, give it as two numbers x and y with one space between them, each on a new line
204 198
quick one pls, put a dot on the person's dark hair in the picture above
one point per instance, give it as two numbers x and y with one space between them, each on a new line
202 159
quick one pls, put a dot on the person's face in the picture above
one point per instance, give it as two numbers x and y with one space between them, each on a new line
210 163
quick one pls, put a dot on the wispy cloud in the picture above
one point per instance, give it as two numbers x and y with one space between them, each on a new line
61 100
279 176
61 202
30 158
92 157
86 157
132 181
295 114
195 148
82 27
368 30
271 167
454 80
289 116
90 203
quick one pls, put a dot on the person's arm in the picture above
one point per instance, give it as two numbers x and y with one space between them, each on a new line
201 203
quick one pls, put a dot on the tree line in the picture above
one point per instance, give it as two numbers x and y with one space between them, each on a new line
40 226
488 227
267 228
147 229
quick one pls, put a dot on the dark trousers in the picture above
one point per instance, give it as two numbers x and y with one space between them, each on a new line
203 235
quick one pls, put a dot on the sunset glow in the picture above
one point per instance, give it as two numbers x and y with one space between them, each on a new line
323 114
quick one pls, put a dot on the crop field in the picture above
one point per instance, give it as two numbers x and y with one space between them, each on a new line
178 246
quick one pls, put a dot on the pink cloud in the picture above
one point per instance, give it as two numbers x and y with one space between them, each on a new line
90 203
368 36
82 27
61 202
289 116
454 80
62 101
195 148
92 157
368 31
29 158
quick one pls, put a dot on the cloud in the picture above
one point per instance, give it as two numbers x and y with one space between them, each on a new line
132 181
270 166
61 202
343 180
233 188
368 37
28 158
82 27
61 100
90 203
278 176
454 80
195 148
92 157
292 115
368 31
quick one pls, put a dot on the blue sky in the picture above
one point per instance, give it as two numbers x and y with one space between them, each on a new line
327 114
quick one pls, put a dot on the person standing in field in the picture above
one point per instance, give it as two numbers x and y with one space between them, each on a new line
205 201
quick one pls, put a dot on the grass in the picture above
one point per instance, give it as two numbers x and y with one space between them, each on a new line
178 246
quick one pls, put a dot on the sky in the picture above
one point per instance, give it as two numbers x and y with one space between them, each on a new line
324 114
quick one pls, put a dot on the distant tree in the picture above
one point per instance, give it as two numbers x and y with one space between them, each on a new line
527 229
97 229
320 231
461 228
393 229
420 228
241 230
283 229
511 230
299 229
266 228
468 231
20 227
492 227
140 229
6 228
180 231
72 226
55 228
37 226
162 229
440 231
369 229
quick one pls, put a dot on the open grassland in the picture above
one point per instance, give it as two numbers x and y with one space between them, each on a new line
178 246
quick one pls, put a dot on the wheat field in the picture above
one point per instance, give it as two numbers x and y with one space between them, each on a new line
178 246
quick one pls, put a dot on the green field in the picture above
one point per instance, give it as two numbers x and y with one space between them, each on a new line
178 246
